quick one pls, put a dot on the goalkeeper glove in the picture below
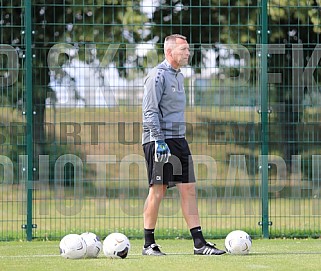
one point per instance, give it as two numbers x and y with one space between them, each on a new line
162 152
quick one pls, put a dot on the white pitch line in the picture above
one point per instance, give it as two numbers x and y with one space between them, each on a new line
57 255
28 256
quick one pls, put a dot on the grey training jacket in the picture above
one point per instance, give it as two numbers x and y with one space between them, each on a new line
164 103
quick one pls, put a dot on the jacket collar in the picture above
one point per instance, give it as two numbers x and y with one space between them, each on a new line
166 63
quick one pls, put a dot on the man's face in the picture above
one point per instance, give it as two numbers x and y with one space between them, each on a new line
180 53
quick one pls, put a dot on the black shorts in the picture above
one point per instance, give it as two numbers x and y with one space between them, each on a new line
178 169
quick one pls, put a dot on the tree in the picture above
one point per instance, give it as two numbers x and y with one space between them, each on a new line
238 22
99 22
104 22
207 22
295 28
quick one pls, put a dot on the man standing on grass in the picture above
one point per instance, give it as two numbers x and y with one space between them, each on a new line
166 150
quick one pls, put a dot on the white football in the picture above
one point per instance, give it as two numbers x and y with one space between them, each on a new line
72 246
116 245
238 242
94 245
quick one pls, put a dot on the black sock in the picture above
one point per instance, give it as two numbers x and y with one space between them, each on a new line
198 237
149 237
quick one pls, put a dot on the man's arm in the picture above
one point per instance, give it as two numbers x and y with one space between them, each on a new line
153 89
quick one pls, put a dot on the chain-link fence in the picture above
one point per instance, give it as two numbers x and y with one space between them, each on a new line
71 81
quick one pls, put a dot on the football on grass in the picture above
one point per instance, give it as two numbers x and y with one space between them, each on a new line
72 246
116 245
94 245
238 242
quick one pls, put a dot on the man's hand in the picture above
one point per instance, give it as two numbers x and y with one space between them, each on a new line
162 152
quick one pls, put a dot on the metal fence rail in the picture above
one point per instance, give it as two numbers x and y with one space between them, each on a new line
71 81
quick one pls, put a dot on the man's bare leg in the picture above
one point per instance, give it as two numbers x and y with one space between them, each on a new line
155 195
151 208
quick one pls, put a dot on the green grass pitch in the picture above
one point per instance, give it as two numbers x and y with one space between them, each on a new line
278 254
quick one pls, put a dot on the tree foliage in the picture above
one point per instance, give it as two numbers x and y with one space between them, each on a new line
74 22
103 22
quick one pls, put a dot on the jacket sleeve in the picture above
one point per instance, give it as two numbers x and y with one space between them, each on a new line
153 90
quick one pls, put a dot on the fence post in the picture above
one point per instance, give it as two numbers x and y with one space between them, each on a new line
29 116
264 119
